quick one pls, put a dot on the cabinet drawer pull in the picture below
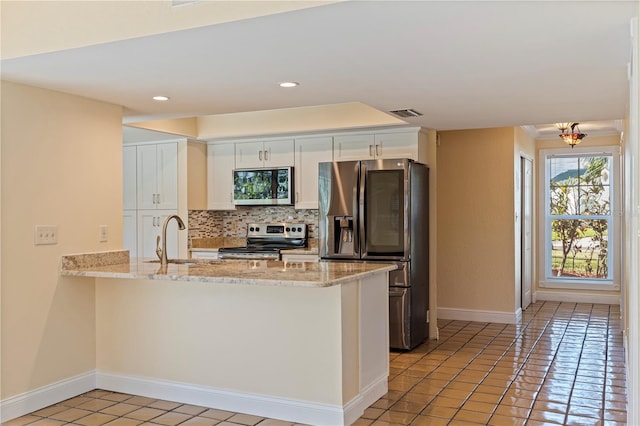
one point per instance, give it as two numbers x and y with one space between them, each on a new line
260 155
266 155
377 150
370 150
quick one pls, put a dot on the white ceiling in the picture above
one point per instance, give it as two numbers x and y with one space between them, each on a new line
463 64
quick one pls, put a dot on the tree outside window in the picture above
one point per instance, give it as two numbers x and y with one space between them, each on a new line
579 216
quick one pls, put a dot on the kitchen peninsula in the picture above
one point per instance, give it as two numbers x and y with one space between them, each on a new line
303 342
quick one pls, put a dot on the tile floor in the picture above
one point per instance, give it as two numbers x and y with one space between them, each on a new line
564 364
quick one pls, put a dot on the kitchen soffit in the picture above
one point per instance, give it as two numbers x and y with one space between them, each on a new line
462 64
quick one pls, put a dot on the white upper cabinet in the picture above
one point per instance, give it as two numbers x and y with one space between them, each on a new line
157 176
374 146
220 164
396 145
353 147
304 152
129 178
309 152
258 154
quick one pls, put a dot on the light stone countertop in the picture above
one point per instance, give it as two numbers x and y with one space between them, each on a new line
227 271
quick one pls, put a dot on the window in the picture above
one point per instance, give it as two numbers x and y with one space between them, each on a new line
580 225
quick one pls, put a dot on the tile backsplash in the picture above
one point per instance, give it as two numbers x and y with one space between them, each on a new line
212 224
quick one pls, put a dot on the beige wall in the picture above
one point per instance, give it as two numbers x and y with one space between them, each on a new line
61 165
475 266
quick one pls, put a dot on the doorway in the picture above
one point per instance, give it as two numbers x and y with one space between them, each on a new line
526 234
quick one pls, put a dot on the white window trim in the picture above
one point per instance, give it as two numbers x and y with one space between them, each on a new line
614 249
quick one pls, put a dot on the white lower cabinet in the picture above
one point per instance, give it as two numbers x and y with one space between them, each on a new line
300 257
150 228
129 225
203 254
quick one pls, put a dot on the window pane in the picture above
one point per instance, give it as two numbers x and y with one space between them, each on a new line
594 200
579 248
579 186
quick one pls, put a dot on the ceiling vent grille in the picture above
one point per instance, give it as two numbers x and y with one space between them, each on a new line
182 2
405 113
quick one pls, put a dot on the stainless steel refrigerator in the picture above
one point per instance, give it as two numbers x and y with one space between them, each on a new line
377 211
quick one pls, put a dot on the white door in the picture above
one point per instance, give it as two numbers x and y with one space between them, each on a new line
527 230
353 147
150 227
167 176
249 155
396 145
147 182
278 153
220 164
129 232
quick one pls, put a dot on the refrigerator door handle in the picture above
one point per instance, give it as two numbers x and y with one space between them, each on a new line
362 243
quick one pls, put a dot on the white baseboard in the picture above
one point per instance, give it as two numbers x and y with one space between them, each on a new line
479 316
355 408
258 405
44 396
576 297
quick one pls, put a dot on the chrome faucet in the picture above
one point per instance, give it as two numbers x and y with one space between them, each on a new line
162 252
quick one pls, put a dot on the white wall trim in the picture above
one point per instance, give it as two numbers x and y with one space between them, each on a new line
258 405
577 297
354 409
479 316
42 397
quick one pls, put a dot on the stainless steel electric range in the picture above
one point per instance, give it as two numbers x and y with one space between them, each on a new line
265 240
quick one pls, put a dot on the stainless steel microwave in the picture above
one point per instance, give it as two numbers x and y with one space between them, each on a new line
269 186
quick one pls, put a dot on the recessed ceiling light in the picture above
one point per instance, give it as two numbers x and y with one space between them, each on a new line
160 98
289 84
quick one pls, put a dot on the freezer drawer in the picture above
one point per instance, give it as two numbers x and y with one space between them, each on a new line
399 318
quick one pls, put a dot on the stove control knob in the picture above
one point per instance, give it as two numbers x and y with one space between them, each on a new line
288 229
257 229
251 229
299 229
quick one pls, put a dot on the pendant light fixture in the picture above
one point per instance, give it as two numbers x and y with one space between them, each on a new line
571 134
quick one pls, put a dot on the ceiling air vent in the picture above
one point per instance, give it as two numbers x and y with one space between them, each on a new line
182 2
404 113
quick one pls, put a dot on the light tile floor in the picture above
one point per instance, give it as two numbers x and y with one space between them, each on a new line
563 364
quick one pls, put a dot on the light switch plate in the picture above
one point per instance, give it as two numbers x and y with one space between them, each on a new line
103 234
46 234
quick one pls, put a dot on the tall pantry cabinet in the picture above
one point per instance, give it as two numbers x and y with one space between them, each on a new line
155 186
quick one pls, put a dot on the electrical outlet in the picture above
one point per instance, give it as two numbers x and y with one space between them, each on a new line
46 235
103 234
